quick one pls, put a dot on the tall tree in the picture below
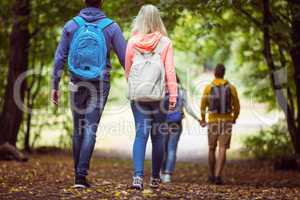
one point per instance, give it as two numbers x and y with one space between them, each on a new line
281 93
294 119
11 116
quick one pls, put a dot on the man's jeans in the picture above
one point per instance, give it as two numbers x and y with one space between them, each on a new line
171 142
149 117
87 104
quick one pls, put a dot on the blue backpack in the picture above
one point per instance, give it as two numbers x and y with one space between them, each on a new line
88 51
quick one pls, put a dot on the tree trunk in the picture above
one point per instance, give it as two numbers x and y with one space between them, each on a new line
288 109
295 52
11 116
9 152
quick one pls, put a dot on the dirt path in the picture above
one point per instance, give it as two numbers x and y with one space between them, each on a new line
50 177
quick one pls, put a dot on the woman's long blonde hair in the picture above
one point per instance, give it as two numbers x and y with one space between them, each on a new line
148 21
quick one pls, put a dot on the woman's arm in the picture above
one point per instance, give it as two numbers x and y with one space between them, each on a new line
128 58
187 106
170 73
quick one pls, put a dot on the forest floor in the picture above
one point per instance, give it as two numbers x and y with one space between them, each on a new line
51 177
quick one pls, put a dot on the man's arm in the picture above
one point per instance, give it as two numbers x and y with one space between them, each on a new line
235 103
119 44
60 57
204 103
59 62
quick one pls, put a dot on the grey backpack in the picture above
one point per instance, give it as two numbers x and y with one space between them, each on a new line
220 99
146 81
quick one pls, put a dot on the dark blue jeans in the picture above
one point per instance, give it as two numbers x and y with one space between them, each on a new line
148 117
87 104
171 142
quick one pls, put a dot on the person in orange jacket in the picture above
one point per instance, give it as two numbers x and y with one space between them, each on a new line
220 99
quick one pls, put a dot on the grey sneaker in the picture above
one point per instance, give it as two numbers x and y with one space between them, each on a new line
166 178
137 183
154 182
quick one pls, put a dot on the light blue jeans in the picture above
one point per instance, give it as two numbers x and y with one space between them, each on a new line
149 118
171 142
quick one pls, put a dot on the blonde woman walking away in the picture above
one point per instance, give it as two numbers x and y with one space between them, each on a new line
151 74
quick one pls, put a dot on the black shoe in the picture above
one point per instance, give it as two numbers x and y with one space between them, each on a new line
211 179
218 180
81 182
155 182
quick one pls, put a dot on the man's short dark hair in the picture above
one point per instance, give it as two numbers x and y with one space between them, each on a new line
220 71
93 3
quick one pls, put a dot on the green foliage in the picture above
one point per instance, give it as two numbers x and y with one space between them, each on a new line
268 144
197 35
231 32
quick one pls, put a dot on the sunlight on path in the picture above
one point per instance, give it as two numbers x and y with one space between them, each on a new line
116 132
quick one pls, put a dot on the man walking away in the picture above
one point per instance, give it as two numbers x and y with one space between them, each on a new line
86 43
221 99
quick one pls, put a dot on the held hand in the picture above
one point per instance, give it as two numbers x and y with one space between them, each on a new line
172 106
202 123
55 97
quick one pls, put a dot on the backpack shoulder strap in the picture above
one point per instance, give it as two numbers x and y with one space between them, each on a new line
159 46
213 87
103 23
137 52
212 84
79 21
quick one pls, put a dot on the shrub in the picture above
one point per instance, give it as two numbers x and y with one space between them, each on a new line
269 143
